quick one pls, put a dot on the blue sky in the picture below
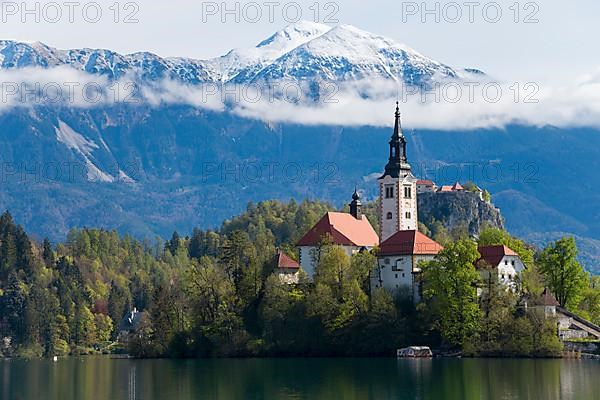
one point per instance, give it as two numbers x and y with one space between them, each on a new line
560 47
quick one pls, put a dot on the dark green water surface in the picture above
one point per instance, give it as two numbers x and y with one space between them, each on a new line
99 378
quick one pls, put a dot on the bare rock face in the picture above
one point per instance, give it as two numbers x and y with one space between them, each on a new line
455 209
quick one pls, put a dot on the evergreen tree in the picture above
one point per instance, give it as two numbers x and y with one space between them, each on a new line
119 303
48 253
13 307
174 244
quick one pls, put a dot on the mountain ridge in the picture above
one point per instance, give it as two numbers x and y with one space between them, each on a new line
245 65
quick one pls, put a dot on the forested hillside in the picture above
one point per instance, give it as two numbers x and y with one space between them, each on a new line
213 293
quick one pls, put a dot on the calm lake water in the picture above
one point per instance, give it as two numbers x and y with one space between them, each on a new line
99 378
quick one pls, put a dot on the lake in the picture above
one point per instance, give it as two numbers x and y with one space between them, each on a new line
98 378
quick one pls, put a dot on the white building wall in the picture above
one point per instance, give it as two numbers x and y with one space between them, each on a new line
289 277
401 209
307 260
399 273
508 270
425 189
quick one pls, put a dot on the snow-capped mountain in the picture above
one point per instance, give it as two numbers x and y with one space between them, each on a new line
302 51
346 53
144 66
241 65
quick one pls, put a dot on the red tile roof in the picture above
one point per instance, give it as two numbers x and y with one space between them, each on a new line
425 182
343 229
409 243
457 186
284 262
494 254
445 188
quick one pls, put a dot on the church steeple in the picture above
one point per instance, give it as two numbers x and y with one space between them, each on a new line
398 160
356 205
397 188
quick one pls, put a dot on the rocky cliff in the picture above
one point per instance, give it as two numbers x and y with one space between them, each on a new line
455 209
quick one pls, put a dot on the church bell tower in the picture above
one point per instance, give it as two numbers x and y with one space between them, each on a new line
356 205
397 188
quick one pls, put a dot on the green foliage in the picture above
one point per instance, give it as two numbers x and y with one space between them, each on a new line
104 327
286 328
338 297
497 305
562 273
439 233
487 197
424 229
525 336
217 293
532 282
470 186
119 302
589 304
85 327
450 292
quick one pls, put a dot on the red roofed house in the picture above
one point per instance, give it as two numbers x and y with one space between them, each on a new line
503 261
286 268
399 258
351 231
458 187
426 186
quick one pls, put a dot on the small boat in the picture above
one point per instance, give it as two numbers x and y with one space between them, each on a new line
55 358
414 352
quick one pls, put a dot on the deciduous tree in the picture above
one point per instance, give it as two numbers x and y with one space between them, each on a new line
450 292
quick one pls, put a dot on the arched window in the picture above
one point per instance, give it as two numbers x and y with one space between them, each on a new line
390 215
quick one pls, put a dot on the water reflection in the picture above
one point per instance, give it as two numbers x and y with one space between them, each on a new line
132 383
121 379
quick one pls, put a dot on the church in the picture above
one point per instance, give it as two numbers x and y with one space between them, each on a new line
401 247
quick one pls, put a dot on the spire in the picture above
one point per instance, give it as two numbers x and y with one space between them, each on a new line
356 205
398 160
355 196
398 124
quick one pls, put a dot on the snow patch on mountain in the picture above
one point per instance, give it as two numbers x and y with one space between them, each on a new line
74 140
95 174
123 177
84 147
